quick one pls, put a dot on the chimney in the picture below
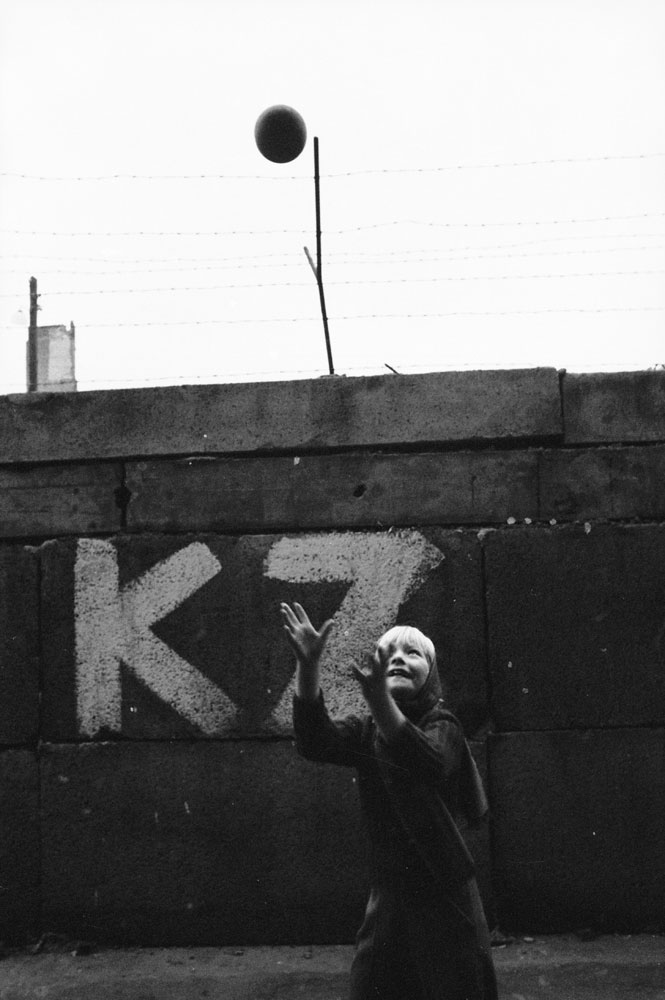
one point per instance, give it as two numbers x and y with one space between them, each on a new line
50 353
53 353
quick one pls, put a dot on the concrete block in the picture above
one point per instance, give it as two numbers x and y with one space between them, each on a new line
180 637
614 407
606 483
19 645
324 491
206 843
47 500
306 415
210 843
575 622
579 829
19 846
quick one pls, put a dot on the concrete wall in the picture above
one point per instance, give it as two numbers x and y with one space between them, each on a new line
149 790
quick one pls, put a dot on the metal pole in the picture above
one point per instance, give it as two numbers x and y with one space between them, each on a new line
319 275
32 337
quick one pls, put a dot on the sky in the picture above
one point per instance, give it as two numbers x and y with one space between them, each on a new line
492 186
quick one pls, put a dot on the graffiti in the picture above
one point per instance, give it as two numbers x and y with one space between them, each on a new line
113 626
114 621
383 570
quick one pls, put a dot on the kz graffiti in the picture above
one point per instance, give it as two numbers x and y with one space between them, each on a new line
114 622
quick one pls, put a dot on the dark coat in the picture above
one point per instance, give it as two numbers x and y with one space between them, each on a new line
424 920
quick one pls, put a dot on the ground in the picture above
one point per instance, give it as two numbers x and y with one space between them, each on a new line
542 968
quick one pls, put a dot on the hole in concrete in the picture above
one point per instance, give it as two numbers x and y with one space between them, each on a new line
360 490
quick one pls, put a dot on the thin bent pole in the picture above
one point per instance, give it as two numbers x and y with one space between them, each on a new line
318 272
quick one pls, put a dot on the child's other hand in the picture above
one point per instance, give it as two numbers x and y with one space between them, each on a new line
303 638
372 677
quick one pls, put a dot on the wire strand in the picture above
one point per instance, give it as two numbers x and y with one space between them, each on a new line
350 255
558 310
373 171
337 263
341 232
354 282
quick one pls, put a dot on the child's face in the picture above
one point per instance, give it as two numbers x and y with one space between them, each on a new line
406 666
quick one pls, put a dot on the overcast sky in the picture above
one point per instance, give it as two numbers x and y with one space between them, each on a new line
493 185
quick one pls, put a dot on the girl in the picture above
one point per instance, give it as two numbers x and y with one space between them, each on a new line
424 936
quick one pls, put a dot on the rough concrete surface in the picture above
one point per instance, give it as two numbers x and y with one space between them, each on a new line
575 622
19 644
609 483
578 829
548 968
38 501
19 845
169 843
332 491
614 407
308 414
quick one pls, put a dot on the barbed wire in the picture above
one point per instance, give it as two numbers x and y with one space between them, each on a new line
340 232
353 256
354 282
432 259
225 321
373 171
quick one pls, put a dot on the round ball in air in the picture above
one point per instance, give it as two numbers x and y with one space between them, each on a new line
280 133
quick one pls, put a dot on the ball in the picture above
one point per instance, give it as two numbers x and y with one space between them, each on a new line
280 133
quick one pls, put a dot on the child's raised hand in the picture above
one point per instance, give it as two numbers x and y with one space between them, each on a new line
303 638
372 677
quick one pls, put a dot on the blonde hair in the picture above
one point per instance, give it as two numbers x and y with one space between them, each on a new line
409 635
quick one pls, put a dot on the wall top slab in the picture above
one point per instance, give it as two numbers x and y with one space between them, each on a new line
332 412
614 407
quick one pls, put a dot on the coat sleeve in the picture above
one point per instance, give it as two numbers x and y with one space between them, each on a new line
322 739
